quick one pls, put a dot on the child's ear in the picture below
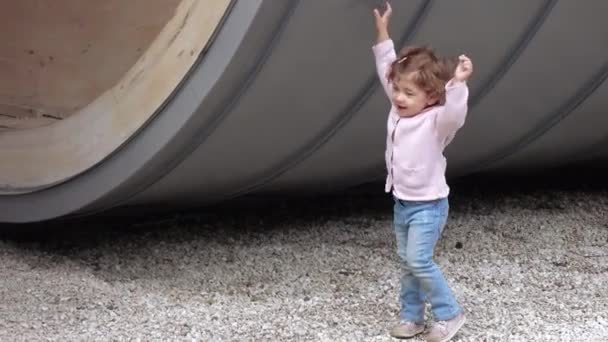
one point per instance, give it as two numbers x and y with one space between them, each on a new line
432 100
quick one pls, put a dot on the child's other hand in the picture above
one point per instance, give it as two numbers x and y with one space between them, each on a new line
382 20
464 68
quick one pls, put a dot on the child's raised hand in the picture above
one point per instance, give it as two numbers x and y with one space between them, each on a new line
464 68
382 20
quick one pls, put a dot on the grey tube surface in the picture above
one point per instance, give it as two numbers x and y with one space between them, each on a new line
285 98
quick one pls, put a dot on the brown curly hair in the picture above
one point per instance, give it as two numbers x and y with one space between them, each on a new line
429 72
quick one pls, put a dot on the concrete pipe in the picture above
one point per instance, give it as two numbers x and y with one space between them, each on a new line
115 103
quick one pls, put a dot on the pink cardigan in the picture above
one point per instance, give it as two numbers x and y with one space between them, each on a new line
414 158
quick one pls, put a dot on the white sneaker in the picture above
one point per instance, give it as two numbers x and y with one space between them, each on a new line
443 331
406 329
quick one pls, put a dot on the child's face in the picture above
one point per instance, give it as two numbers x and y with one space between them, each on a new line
408 98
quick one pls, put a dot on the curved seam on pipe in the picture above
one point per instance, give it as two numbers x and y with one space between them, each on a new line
560 114
516 52
339 122
213 123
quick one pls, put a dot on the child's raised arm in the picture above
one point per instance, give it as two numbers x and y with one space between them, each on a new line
457 94
384 50
382 23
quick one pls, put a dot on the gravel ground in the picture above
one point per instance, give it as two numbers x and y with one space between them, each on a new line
527 264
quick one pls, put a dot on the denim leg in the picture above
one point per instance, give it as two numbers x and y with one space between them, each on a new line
425 226
411 296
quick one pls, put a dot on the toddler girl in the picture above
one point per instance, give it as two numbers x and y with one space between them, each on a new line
429 104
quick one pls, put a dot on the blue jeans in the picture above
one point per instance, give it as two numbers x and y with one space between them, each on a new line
418 225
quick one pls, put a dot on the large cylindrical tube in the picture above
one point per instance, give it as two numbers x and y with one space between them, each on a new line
116 103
